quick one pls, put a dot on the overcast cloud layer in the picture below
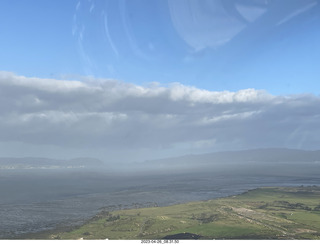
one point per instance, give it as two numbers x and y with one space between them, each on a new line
125 120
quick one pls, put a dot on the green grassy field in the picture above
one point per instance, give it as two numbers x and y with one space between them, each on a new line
264 213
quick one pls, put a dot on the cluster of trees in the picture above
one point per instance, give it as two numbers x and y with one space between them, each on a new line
205 218
288 205
317 208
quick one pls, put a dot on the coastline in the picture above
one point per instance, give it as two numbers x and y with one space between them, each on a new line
54 233
39 235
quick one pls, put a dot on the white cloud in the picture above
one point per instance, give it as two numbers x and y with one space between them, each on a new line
305 6
225 117
113 116
78 6
250 13
8 78
91 8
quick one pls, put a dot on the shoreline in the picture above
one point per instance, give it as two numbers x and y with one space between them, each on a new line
66 228
102 213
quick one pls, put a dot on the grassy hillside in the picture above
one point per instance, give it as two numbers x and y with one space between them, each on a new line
265 213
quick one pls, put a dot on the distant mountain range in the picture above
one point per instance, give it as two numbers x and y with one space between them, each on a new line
262 160
262 155
47 163
259 159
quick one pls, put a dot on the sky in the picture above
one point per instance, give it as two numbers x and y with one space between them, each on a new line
140 79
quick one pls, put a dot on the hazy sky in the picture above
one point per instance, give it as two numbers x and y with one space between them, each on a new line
133 80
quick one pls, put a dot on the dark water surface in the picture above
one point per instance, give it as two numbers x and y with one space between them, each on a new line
32 201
